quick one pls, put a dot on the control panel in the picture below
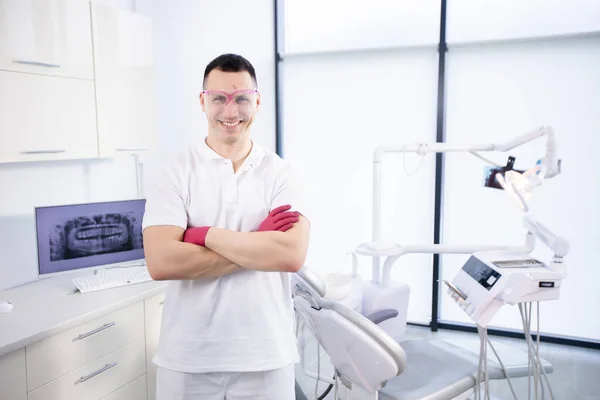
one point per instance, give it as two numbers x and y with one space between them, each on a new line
489 280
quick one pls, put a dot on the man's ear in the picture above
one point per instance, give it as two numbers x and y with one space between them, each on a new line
202 104
257 101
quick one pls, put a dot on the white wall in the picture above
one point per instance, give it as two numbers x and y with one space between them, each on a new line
186 36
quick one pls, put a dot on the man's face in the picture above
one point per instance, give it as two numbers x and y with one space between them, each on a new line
230 103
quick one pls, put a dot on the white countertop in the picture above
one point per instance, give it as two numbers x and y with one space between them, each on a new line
48 306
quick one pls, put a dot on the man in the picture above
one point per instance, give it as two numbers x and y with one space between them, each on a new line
218 225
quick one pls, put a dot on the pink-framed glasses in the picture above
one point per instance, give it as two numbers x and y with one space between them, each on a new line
220 98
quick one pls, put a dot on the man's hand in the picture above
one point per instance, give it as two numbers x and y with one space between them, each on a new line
196 235
170 259
279 219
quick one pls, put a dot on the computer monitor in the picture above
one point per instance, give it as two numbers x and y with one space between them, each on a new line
92 235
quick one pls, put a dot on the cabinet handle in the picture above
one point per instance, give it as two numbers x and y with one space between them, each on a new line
132 149
161 303
38 63
93 374
90 333
44 151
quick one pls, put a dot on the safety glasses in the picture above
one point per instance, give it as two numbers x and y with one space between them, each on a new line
219 98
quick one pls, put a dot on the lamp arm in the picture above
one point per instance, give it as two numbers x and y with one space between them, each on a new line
552 162
559 245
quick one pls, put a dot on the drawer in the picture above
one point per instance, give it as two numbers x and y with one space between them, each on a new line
60 354
13 382
153 308
135 390
98 378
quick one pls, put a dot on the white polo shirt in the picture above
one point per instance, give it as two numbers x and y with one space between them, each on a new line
242 321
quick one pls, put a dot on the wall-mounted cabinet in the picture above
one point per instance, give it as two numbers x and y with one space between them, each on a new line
76 81
124 81
49 37
46 118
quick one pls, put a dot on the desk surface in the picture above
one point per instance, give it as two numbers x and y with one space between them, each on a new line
48 306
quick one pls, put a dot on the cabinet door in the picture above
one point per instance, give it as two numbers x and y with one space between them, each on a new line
124 75
46 118
153 309
49 37
13 381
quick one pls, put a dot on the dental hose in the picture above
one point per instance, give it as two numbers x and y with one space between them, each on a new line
326 392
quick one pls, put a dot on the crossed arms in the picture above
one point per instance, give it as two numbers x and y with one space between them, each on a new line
169 257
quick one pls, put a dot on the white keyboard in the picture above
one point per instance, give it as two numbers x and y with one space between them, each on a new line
112 278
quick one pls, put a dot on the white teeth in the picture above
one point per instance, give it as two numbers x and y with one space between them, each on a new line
229 123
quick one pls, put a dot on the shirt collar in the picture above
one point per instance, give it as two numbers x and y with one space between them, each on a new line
253 159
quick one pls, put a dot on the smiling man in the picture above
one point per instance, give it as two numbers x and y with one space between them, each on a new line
223 225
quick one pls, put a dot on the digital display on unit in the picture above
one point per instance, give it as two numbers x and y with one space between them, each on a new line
481 272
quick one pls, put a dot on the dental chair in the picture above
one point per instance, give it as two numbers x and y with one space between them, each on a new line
370 365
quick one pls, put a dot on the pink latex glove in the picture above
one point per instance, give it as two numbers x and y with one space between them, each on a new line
196 235
279 219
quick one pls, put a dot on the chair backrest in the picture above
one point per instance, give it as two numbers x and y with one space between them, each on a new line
362 352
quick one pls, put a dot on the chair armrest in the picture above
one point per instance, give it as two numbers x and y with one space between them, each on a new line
379 316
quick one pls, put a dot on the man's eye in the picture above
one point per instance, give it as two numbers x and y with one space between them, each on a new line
219 99
242 99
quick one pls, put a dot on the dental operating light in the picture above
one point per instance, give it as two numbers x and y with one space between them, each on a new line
518 186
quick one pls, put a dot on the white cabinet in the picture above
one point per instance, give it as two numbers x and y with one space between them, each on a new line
13 381
135 390
153 310
49 37
46 118
76 81
55 356
124 77
99 378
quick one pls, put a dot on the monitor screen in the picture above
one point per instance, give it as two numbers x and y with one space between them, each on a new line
89 235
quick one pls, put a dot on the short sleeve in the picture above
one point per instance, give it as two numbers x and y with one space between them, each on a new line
290 189
165 204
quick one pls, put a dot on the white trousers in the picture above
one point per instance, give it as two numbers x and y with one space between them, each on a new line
263 385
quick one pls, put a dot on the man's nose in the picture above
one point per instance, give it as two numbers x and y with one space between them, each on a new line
230 108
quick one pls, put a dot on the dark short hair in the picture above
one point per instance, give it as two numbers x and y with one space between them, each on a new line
230 63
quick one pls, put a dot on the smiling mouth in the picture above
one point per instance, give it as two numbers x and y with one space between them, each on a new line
230 125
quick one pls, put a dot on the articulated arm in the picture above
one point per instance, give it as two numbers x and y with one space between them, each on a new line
559 245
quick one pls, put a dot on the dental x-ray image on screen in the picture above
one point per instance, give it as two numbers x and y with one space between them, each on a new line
87 235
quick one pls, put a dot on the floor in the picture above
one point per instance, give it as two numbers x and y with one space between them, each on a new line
576 374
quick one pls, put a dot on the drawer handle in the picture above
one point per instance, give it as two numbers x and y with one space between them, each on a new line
38 63
132 149
90 333
161 303
44 151
93 374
